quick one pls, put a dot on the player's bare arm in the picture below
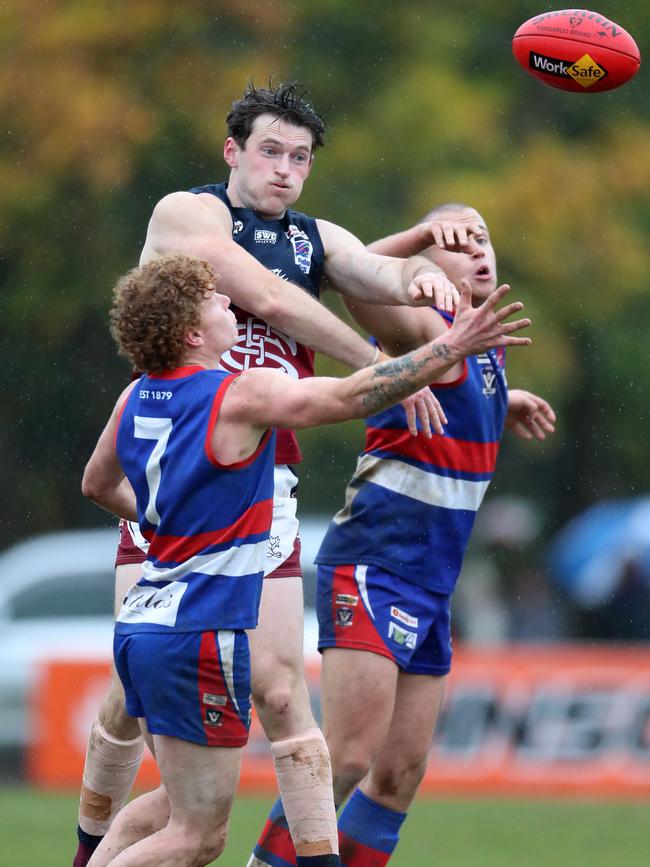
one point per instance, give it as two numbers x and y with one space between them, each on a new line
264 398
455 235
529 416
103 480
200 226
355 271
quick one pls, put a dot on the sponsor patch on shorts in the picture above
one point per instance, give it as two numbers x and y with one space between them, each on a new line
346 599
402 636
215 700
403 617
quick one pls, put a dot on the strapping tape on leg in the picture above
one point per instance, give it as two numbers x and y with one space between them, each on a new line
304 773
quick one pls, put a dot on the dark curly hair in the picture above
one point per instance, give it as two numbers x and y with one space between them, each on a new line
286 101
155 306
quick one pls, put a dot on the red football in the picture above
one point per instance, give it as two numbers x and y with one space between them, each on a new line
577 50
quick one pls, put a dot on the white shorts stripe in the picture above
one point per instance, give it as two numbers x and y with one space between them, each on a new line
226 639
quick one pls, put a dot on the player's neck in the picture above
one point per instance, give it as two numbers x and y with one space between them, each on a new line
239 199
199 359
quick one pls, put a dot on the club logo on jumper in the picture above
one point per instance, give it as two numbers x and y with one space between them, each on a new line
344 615
403 617
214 700
261 345
302 247
237 227
585 70
265 236
403 637
489 379
213 717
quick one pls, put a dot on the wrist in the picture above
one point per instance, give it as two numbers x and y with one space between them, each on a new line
453 352
375 358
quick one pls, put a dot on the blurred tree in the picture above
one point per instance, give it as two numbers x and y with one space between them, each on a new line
109 106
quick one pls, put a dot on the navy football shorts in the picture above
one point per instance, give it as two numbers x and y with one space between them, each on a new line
189 685
367 608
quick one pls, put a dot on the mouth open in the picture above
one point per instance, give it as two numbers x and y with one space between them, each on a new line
483 273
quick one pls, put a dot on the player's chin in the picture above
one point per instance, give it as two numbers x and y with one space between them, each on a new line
482 289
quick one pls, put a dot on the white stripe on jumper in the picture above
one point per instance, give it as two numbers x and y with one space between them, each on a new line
410 481
233 563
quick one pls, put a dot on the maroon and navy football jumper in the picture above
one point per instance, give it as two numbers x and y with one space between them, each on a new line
290 247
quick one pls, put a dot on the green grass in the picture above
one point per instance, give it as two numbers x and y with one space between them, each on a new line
37 830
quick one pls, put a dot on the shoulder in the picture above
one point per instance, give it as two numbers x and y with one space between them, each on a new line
121 403
181 206
244 390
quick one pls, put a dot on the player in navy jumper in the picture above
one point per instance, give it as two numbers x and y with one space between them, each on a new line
391 558
187 453
271 259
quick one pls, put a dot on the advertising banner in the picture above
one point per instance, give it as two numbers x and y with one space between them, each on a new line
547 720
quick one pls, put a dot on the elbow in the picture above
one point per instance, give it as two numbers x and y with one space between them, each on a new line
89 485
272 306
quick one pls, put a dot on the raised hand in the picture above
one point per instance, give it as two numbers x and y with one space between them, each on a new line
433 287
454 235
529 416
476 329
423 406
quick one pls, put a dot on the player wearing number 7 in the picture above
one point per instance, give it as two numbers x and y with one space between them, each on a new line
188 453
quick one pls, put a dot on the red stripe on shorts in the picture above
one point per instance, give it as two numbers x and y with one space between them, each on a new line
353 625
221 722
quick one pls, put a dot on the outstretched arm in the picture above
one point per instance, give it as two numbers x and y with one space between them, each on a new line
529 416
264 398
454 235
103 480
200 226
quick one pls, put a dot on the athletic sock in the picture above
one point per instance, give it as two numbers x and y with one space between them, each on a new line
275 847
368 832
87 845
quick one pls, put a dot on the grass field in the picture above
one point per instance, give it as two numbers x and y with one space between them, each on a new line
37 830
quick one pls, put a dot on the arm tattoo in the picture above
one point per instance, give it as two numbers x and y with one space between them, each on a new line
398 375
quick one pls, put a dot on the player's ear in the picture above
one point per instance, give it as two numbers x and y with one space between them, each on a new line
231 152
194 338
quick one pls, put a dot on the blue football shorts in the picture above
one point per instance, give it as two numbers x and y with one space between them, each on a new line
367 608
189 685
